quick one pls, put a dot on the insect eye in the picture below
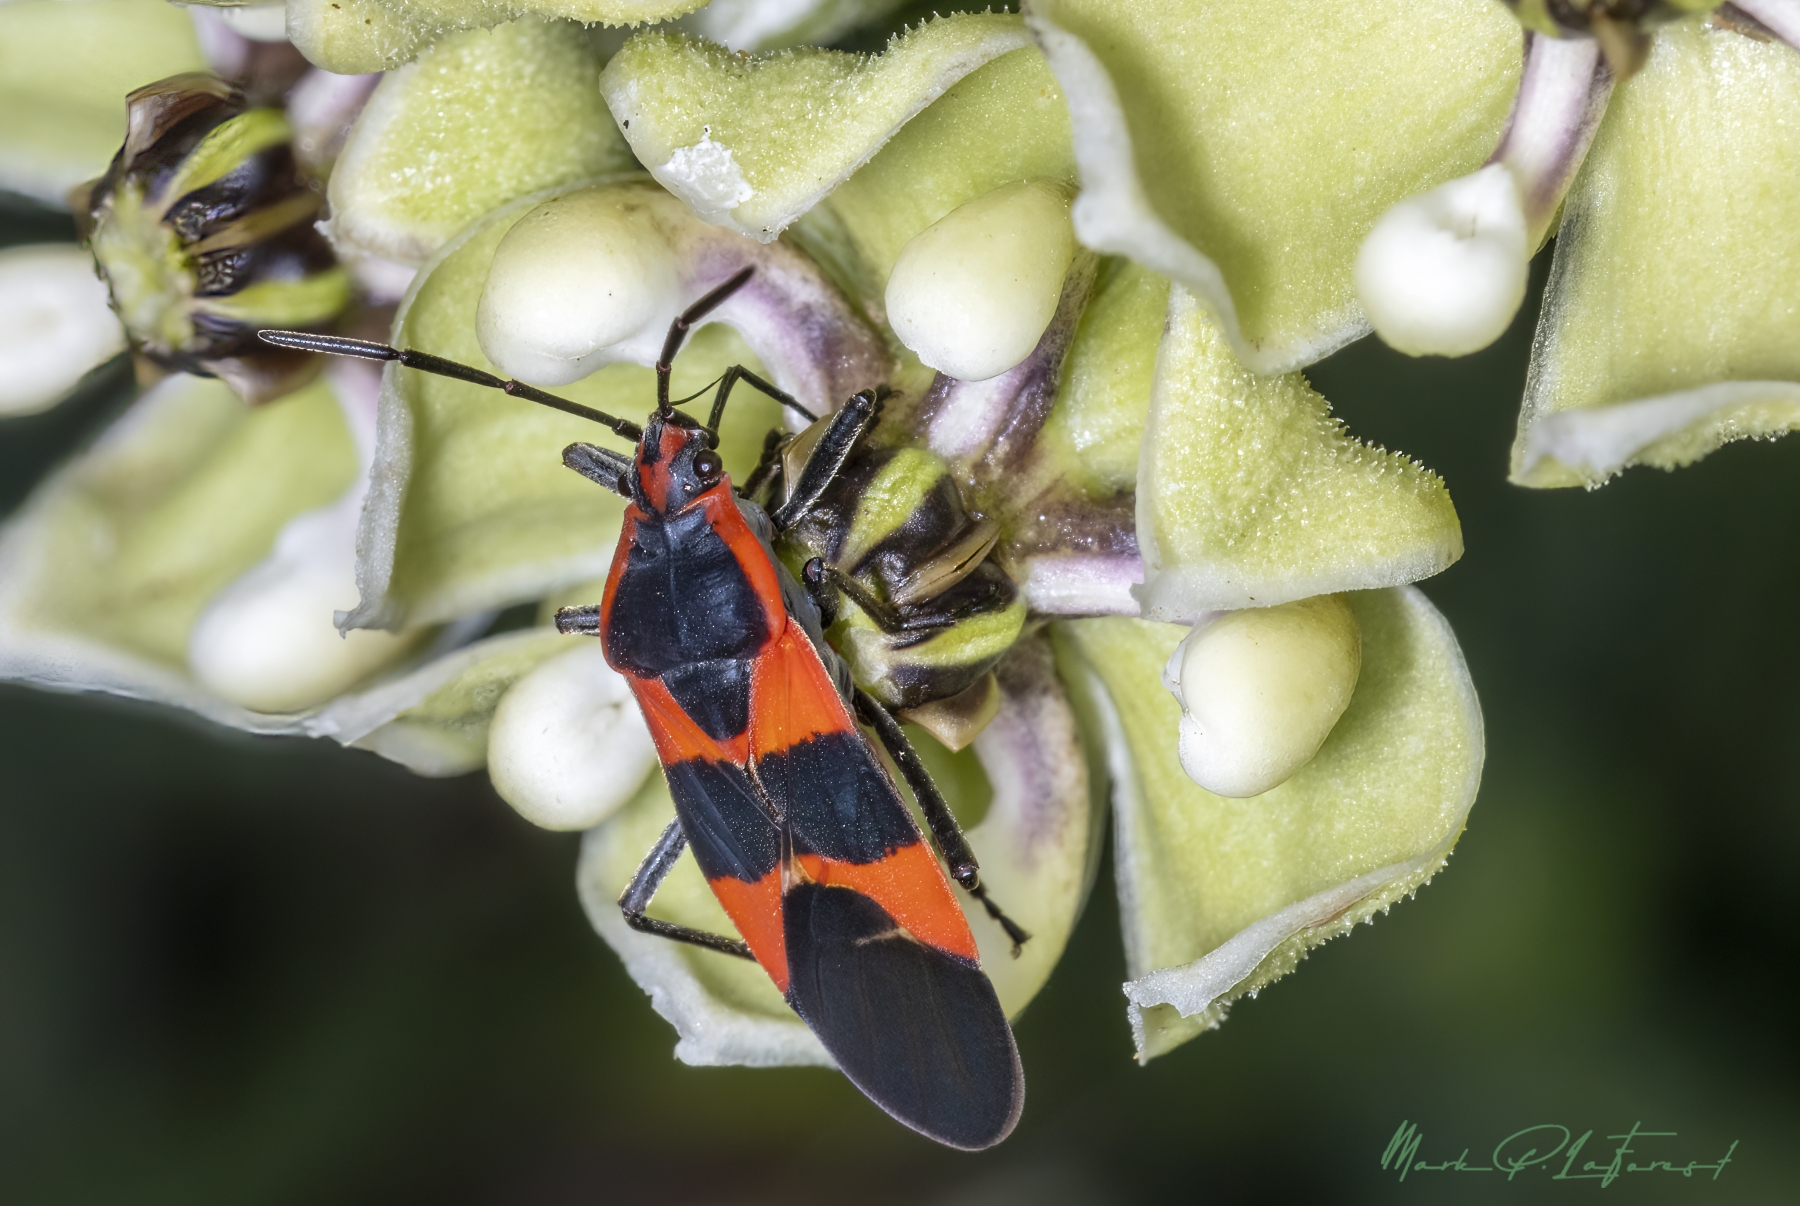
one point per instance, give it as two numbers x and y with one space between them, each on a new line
708 465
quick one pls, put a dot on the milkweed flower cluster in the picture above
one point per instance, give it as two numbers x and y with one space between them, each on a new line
1091 248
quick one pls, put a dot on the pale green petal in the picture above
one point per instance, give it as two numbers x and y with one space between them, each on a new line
772 24
105 570
435 720
129 543
1251 494
1244 148
481 118
65 67
1672 321
1094 434
1219 897
471 507
1024 785
351 37
752 143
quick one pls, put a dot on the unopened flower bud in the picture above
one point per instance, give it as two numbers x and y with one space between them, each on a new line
1261 689
1443 273
54 324
973 293
568 745
581 281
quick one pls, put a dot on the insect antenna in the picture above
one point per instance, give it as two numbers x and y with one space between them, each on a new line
363 349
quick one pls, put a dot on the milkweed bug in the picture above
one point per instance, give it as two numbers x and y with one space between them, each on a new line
791 815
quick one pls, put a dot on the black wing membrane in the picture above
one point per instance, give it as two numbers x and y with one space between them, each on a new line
917 1029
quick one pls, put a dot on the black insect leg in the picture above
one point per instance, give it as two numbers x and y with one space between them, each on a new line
636 898
836 442
579 621
737 373
952 845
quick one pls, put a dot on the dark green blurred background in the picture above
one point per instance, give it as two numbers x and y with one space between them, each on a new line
257 971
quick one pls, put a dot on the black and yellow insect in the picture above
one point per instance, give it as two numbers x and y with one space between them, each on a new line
203 229
913 603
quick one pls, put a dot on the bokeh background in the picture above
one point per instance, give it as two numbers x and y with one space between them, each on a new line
245 971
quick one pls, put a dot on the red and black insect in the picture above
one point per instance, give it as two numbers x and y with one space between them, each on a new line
790 814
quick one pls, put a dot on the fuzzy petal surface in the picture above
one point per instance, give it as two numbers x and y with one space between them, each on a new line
753 142
1219 897
1251 494
479 119
1244 148
351 37
1671 324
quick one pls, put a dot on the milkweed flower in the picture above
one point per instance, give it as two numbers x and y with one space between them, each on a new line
1173 503
856 186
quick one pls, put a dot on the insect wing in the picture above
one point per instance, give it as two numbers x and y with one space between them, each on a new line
880 962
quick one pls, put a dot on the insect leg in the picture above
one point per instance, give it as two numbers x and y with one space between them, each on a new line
949 835
737 373
637 896
835 444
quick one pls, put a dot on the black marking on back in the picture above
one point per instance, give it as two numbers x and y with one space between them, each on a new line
725 823
682 598
715 695
838 799
916 1028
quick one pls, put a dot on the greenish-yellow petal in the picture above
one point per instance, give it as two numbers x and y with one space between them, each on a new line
355 36
65 67
1218 897
1245 148
1672 320
1094 434
471 507
1251 494
481 118
104 572
753 142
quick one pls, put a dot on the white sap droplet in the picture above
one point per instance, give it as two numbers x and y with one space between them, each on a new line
269 641
973 293
1261 689
55 324
578 283
1443 273
708 178
568 745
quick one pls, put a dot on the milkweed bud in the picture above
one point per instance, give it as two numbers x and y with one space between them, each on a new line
1261 689
203 229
